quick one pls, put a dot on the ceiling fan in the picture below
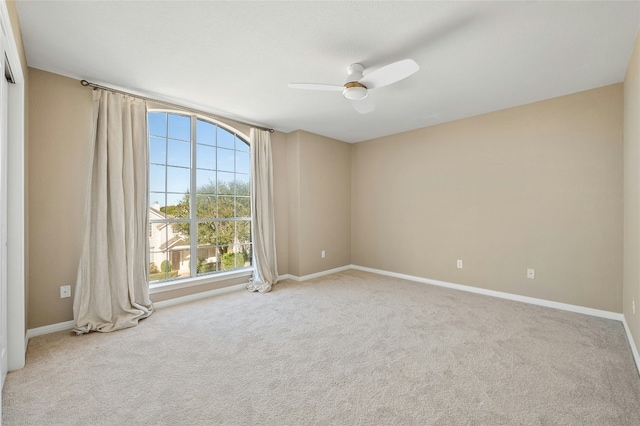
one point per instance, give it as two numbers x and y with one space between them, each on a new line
357 86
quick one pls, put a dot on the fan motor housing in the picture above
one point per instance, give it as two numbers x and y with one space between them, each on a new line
355 91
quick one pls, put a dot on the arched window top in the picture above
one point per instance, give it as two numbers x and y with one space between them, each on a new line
157 126
210 132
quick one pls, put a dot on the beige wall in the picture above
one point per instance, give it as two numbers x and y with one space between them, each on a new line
293 211
631 290
320 203
537 186
281 199
60 112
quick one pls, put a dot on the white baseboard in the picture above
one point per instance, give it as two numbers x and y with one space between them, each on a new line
502 295
634 348
493 293
285 277
316 275
47 329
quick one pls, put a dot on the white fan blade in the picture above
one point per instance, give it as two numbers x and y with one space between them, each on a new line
363 106
313 86
390 74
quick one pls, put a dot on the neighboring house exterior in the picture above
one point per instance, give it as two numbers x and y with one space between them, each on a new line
163 239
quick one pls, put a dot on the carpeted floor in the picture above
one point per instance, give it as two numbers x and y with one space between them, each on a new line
348 349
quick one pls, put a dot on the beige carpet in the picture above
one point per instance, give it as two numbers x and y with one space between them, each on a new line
347 349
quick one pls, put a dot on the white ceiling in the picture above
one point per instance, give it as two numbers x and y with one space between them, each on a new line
236 58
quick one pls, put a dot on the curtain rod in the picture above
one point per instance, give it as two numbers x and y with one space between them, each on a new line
169 104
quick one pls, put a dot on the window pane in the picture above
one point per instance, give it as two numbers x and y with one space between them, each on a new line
207 260
157 178
240 188
227 258
157 208
234 257
206 182
157 235
226 160
226 232
225 139
165 265
242 259
178 179
207 206
242 162
158 123
177 236
226 207
243 231
243 207
225 183
179 208
179 127
247 249
206 157
179 258
157 150
155 262
176 200
179 153
207 234
243 186
241 145
206 133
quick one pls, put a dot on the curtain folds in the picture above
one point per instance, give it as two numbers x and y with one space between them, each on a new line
265 265
112 290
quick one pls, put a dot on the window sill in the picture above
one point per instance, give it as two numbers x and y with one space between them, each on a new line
192 282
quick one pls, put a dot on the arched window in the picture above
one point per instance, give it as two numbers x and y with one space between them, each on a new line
199 195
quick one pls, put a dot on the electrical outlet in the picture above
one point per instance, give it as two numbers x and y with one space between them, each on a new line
323 254
65 291
531 273
459 264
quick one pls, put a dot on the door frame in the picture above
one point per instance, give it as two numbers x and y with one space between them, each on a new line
16 197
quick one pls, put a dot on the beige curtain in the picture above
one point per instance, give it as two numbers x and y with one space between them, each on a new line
265 265
112 290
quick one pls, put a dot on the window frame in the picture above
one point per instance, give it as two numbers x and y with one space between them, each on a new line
215 276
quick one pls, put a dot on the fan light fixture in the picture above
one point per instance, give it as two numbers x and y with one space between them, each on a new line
354 91
358 85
